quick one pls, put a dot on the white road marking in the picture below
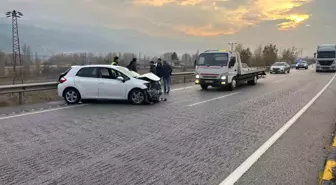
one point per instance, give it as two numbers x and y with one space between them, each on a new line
278 81
183 88
206 101
39 112
246 165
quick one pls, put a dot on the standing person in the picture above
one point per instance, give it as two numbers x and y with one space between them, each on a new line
152 68
132 65
166 74
159 68
115 61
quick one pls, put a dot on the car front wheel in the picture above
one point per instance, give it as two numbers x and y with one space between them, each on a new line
204 87
137 97
72 96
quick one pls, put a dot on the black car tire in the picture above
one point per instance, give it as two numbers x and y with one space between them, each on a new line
204 86
137 97
71 96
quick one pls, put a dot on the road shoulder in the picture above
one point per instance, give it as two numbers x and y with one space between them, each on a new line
328 175
298 156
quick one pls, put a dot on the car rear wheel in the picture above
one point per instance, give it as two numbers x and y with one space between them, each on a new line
72 96
137 97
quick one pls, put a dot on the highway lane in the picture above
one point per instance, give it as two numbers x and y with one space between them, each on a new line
167 143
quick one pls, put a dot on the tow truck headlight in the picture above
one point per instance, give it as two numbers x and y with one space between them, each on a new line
197 76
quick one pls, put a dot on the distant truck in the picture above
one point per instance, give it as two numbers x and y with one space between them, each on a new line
326 57
224 69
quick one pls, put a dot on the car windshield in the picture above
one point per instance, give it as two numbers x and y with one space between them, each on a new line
279 64
128 72
302 62
326 54
213 59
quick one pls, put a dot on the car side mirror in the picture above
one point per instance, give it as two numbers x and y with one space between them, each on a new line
121 78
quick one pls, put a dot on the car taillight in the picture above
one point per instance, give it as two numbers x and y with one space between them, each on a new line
62 80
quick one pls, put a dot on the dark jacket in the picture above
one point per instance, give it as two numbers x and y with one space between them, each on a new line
166 70
152 69
132 66
159 70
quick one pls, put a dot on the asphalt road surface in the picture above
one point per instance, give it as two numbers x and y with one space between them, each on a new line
196 137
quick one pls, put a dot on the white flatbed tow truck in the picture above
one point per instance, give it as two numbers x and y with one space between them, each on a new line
224 69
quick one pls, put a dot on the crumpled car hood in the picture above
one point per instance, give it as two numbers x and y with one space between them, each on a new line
150 76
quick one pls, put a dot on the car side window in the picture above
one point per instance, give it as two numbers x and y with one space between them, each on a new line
108 73
88 72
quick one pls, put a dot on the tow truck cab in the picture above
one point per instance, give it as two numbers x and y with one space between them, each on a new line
224 69
326 58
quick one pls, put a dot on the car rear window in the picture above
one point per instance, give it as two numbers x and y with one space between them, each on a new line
89 72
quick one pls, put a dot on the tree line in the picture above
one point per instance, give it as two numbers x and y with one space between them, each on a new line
269 54
36 65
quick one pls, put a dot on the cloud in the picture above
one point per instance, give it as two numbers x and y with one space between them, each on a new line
198 18
219 20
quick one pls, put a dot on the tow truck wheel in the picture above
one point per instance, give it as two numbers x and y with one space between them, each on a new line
233 84
254 81
204 87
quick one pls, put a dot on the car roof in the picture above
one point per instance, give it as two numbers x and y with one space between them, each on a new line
97 65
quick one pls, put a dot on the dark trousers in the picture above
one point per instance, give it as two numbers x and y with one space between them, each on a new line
166 84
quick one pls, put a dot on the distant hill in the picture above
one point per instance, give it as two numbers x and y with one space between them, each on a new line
47 41
50 37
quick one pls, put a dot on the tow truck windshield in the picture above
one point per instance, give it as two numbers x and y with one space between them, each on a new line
213 59
326 54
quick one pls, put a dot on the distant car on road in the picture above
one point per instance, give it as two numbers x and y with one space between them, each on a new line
280 67
302 64
108 82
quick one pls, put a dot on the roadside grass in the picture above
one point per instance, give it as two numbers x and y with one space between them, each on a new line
29 98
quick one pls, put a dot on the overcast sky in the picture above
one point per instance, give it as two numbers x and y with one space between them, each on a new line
213 23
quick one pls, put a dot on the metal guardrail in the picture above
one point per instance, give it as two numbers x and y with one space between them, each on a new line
22 88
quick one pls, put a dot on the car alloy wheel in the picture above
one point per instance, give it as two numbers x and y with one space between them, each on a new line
137 97
72 96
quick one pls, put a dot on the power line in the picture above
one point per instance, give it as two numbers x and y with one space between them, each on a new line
16 41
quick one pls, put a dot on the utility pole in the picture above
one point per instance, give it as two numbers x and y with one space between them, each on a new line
232 45
16 42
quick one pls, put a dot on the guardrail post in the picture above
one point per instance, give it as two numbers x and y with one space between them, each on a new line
20 98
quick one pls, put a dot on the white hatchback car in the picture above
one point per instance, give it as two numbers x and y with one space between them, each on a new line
108 82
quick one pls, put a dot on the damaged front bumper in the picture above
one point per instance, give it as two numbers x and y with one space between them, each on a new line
154 92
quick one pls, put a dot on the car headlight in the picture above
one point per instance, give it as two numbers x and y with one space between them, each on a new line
223 77
296 64
197 76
